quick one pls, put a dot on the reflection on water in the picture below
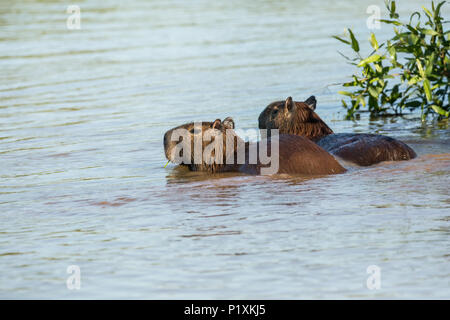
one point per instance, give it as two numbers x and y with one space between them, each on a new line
82 116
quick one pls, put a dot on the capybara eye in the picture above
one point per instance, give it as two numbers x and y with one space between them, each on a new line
275 111
195 131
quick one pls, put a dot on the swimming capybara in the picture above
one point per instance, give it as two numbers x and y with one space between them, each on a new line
220 149
299 118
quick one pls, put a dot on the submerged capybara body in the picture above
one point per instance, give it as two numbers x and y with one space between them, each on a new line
296 154
299 118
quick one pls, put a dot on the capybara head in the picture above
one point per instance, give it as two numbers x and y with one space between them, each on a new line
207 147
292 117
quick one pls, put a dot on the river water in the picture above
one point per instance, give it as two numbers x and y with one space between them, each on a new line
82 177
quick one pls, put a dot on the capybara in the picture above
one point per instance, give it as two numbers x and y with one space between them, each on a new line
299 118
220 149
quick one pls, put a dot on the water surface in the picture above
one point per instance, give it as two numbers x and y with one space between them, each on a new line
82 116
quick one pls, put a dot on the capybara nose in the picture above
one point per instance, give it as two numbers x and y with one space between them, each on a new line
167 136
167 143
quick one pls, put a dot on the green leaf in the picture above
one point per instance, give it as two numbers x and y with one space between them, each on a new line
361 100
440 111
416 13
427 89
391 22
438 8
355 44
373 92
412 29
413 80
419 66
340 39
372 58
349 84
373 41
392 52
392 13
429 32
346 93
427 12
429 65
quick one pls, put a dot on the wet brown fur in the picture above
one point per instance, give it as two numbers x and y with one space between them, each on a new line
304 123
299 118
297 155
213 167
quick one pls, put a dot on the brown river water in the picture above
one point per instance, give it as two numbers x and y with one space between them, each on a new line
82 177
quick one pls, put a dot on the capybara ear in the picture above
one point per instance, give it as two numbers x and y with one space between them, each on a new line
311 102
289 104
228 123
216 124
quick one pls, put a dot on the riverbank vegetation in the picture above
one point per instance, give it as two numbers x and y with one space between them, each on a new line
410 71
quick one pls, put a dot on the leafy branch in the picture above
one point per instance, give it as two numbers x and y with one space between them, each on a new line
409 71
